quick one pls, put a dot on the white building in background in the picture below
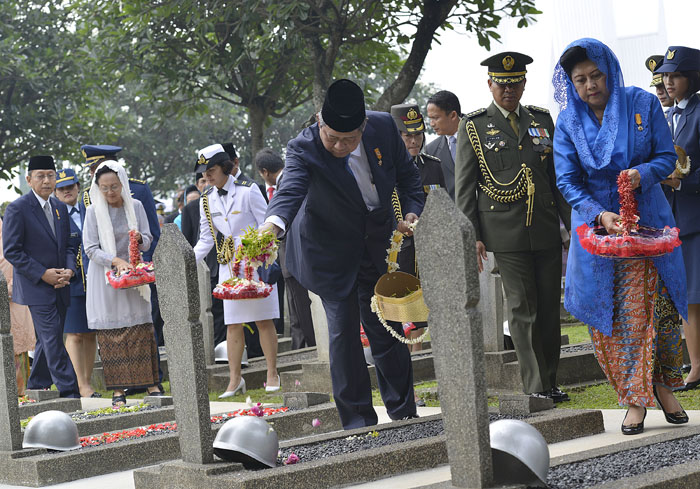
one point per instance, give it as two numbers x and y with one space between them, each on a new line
634 30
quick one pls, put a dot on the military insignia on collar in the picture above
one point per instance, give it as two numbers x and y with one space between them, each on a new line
378 154
670 54
508 63
492 132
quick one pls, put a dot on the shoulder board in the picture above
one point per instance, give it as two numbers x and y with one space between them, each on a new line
430 157
538 109
136 180
475 113
243 183
208 190
86 198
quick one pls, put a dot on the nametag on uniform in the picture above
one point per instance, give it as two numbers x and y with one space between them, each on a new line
216 214
73 235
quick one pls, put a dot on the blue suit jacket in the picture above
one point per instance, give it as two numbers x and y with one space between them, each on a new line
142 192
78 285
32 248
686 201
329 226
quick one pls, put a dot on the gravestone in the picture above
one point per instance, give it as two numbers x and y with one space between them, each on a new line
10 431
445 243
178 292
320 320
205 316
491 305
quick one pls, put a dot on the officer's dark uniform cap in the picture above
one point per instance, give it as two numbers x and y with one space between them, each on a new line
507 67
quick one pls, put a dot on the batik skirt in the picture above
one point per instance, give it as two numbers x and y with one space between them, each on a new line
645 345
129 357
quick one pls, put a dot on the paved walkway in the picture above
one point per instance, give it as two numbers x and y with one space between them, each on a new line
654 424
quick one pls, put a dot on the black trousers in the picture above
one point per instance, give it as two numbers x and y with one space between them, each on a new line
301 323
351 383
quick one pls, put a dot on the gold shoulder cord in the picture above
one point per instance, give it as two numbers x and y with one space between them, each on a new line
523 180
226 250
79 262
86 199
396 205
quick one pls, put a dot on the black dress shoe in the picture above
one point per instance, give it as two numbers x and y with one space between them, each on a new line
96 395
633 429
680 417
409 416
542 395
689 386
559 395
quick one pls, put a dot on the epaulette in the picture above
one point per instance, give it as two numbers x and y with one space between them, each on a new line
207 191
137 181
243 183
430 157
538 109
475 113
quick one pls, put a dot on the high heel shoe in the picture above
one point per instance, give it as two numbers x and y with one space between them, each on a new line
241 387
633 429
274 388
679 417
689 386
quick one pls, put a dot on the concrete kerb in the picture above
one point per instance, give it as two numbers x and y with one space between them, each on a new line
38 468
360 466
63 404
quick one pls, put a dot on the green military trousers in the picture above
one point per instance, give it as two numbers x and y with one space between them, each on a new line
532 283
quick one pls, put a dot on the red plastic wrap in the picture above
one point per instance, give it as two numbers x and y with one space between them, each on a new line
643 242
242 289
142 272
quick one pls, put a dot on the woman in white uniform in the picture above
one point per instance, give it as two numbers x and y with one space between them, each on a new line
229 207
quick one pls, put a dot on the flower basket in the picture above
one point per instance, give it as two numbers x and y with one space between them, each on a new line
238 289
400 298
141 273
635 241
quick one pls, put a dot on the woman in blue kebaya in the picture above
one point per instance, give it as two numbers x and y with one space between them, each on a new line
603 129
681 75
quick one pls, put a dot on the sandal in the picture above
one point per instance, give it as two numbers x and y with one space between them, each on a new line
118 401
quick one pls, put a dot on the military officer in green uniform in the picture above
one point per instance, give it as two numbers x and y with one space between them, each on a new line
410 123
505 184
657 80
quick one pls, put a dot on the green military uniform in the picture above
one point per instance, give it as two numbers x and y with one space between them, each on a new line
505 184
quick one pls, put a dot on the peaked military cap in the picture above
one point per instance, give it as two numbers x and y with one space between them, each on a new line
408 118
65 177
41 163
94 153
507 67
344 107
679 58
230 150
651 63
210 156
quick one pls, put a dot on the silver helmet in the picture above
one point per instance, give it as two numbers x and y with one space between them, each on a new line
54 430
221 354
248 440
519 452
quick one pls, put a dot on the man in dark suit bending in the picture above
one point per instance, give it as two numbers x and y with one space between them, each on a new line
334 203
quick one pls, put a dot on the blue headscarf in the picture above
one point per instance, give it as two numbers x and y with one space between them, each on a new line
598 146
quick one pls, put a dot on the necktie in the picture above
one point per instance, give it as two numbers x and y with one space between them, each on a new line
73 211
49 217
453 147
222 191
513 119
270 192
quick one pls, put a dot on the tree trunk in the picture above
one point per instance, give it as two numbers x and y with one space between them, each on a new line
257 116
435 13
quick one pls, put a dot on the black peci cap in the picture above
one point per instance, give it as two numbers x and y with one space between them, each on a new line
41 163
344 107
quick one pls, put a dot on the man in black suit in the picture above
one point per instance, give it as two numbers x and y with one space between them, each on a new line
270 167
334 206
445 113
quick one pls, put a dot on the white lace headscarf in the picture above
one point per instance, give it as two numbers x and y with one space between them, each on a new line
105 229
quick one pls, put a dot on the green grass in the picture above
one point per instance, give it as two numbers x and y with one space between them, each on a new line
603 396
578 333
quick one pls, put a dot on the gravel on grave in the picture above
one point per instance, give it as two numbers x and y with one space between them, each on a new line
371 439
624 464
577 348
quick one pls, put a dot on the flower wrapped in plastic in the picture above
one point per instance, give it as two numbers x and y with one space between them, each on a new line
256 250
141 273
636 241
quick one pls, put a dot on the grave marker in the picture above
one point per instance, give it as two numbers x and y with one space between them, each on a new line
205 316
178 293
10 431
445 243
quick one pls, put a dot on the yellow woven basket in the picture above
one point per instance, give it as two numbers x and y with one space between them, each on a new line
410 308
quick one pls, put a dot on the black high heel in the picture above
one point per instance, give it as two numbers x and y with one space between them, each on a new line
680 417
633 429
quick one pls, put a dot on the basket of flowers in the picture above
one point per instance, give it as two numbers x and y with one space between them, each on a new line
141 272
636 241
255 251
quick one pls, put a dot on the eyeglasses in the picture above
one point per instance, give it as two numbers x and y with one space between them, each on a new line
112 188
